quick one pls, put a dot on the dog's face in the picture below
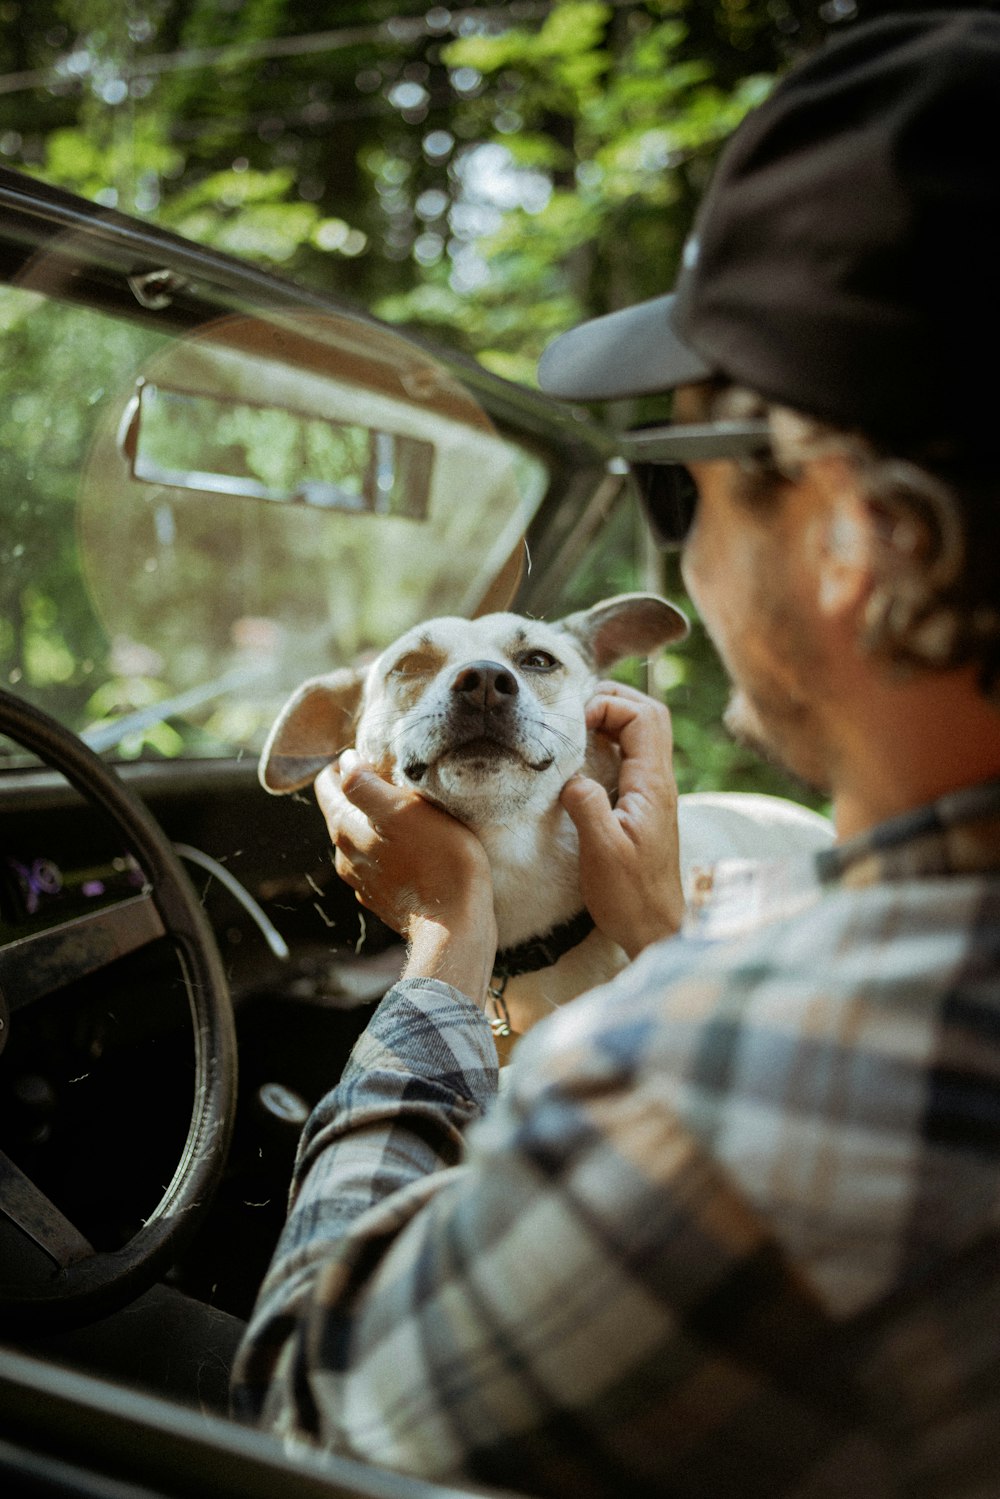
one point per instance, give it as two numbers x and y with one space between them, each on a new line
482 716
485 717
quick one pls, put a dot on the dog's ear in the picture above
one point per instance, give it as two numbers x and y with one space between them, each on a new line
312 728
630 624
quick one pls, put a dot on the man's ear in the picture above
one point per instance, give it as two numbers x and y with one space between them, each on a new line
846 540
630 624
312 728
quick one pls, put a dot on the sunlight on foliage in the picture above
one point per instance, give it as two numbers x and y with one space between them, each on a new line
488 185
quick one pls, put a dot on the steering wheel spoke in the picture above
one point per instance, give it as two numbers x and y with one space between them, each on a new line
88 1282
36 1216
35 965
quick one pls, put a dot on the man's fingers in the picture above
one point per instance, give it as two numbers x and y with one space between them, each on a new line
348 825
610 688
611 712
352 793
344 865
587 804
639 725
367 790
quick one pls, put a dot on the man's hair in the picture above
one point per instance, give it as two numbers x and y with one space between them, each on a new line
935 601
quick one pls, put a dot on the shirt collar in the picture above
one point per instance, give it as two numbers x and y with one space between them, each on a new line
958 834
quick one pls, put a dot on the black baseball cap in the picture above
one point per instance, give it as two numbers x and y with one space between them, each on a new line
845 259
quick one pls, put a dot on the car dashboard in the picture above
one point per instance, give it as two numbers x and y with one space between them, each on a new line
98 1078
162 593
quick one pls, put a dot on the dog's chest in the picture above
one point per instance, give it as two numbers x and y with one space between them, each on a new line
530 997
536 877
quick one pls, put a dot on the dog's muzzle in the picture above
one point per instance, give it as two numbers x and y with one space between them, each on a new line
482 717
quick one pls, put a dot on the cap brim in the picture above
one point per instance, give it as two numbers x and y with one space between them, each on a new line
633 352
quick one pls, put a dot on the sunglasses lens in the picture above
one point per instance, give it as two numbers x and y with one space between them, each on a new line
669 497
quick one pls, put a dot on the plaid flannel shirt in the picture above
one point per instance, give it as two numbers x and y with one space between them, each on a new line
707 1241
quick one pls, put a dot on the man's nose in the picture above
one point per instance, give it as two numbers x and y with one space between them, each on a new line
485 685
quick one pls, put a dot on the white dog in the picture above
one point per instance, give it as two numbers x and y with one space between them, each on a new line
485 717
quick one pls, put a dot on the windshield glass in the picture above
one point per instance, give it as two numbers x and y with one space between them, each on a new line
171 569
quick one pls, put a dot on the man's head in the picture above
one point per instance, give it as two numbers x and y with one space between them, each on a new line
843 260
923 537
838 295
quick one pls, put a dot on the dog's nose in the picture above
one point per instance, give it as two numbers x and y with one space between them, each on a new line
485 684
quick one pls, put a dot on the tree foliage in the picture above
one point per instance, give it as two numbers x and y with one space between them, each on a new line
489 175
493 172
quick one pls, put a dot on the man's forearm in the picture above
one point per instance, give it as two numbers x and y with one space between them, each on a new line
422 1071
460 954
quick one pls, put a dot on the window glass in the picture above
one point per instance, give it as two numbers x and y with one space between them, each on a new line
171 613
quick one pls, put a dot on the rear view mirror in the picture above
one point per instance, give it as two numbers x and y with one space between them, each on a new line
187 439
291 490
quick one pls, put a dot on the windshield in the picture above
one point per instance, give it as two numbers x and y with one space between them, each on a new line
155 596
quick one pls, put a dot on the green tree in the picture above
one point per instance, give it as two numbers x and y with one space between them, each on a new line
488 175
591 134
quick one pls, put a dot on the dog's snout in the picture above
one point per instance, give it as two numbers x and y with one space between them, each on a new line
485 684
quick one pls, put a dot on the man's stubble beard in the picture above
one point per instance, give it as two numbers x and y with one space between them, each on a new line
779 731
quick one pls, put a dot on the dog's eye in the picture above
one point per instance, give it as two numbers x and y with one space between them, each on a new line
537 661
415 664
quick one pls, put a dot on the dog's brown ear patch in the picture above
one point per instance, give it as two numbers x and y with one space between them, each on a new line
312 728
630 624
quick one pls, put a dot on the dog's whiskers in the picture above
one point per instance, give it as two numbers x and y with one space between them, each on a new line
560 736
549 751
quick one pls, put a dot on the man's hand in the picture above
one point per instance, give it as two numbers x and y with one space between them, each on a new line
420 870
629 859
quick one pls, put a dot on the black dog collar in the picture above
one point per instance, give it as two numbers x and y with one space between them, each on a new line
542 952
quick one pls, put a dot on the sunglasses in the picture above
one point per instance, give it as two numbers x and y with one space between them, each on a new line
658 457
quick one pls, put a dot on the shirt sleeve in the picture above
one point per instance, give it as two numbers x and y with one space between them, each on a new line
556 1291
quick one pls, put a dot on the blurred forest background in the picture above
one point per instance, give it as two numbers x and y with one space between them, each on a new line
487 175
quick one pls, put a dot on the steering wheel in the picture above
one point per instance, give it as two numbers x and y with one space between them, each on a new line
86 1283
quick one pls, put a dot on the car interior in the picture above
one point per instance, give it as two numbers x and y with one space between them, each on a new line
214 485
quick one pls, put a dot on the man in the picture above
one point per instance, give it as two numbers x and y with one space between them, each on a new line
729 1231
